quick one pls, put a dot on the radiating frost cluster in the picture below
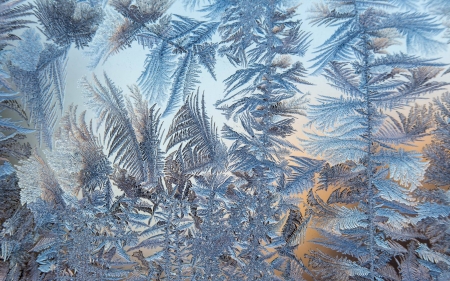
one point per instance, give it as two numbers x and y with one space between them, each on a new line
153 189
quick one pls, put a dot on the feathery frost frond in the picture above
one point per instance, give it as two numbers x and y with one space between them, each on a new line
12 17
39 74
68 21
371 179
108 102
191 124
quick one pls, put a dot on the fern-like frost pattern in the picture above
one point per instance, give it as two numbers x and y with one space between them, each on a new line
325 164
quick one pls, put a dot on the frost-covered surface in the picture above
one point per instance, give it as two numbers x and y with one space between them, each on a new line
152 182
